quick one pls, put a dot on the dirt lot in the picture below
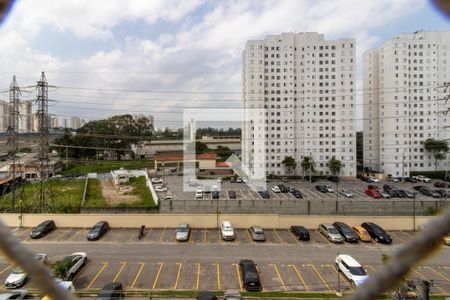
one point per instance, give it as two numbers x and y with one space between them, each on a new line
114 198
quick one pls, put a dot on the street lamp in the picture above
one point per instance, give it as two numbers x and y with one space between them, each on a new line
414 212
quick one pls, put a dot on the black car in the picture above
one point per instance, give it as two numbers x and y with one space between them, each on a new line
322 188
418 187
333 178
392 191
249 275
113 290
346 231
407 194
42 229
215 195
283 188
206 295
409 179
377 233
291 189
301 232
264 194
402 194
441 192
365 179
427 192
232 194
297 194
97 231
232 180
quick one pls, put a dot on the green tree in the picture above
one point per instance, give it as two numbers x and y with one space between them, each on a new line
223 152
334 165
439 148
60 268
289 163
307 165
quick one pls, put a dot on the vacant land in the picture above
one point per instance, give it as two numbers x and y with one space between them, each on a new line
105 166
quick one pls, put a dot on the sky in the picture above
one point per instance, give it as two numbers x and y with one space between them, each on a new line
103 58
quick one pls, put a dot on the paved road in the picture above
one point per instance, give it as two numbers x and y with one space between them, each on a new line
159 263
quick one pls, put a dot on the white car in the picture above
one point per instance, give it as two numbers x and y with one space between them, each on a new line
160 188
330 189
168 197
18 277
422 178
346 193
157 180
219 180
351 269
74 263
65 285
199 194
275 189
227 231
373 179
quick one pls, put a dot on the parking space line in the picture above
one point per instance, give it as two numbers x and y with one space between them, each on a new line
370 266
162 234
423 277
138 273
431 269
65 232
120 270
249 236
279 276
157 275
218 276
293 236
81 271
147 235
220 238
204 230
321 235
299 276
98 274
340 275
320 276
274 230
120 233
397 235
5 269
178 275
198 276
238 276
260 279
191 233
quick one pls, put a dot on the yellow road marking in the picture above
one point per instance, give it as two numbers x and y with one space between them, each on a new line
279 276
437 273
299 276
148 234
198 277
6 269
340 275
138 273
191 233
157 275
239 277
423 277
220 237
293 236
162 234
249 236
320 276
98 274
178 276
120 271
204 230
274 230
260 279
65 232
218 276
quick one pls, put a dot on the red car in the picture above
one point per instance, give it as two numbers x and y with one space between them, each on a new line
373 193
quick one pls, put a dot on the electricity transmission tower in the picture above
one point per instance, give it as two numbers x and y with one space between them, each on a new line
13 133
43 118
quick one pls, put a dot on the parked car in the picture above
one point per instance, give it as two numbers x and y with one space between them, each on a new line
219 180
346 231
156 180
441 184
232 180
322 188
65 285
373 193
257 233
227 231
384 194
406 194
333 178
111 291
391 193
373 179
441 192
422 178
17 294
430 193
232 194
291 189
410 179
362 234
199 194
418 187
239 180
183 232
73 264
206 295
276 189
215 195
97 231
283 188
43 229
168 197
160 188
297 194
249 275
377 233
264 194
330 233
301 232
329 189
346 193
365 179
232 295
351 269
17 278
284 179
392 179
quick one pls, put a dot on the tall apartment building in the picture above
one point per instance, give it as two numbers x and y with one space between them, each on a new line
4 115
306 86
25 116
401 101
75 122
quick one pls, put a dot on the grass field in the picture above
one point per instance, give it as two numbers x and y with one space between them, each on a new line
104 166
94 197
143 192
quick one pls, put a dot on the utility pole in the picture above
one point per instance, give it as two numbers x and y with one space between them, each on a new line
13 133
42 112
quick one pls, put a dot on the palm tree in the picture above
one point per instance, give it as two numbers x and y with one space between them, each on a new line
334 165
307 164
439 148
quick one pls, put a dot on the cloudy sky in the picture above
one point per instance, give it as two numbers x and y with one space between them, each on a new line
157 57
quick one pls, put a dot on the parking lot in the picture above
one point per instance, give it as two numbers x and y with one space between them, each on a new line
357 187
158 262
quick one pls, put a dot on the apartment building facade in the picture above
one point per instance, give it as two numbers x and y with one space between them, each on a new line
402 88
305 84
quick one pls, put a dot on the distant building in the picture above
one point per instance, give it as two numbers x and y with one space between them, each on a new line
54 121
75 122
4 113
36 124
25 116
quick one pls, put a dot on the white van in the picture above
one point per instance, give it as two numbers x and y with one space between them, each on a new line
199 194
354 272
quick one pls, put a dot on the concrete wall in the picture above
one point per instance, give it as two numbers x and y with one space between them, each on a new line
208 220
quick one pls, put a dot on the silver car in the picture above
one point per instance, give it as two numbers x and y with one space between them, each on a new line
346 193
257 233
18 277
330 233
183 232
